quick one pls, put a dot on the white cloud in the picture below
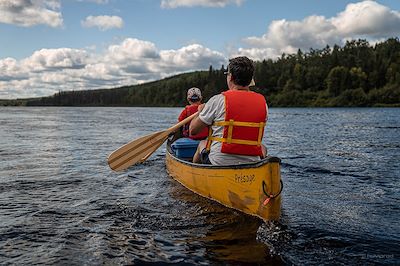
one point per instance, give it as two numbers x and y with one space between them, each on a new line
131 61
11 70
103 22
367 19
256 53
203 3
46 59
132 50
287 36
29 13
191 57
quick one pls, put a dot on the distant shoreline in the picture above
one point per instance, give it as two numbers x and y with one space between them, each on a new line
355 75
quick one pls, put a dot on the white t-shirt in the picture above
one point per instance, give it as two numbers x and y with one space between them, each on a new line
214 110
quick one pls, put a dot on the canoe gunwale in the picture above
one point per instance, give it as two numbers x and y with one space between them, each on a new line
268 159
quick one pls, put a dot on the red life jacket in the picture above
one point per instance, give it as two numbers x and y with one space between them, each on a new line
245 118
191 109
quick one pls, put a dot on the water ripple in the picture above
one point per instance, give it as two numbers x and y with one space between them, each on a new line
60 203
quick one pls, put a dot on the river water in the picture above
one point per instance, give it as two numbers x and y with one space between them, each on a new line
61 204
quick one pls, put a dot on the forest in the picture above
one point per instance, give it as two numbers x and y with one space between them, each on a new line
357 74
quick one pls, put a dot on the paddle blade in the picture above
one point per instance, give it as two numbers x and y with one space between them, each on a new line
136 151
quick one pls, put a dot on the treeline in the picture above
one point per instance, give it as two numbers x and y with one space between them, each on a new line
167 92
357 74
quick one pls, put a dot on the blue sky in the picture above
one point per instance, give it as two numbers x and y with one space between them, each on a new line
52 45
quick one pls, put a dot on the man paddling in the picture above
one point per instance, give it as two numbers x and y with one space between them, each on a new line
237 118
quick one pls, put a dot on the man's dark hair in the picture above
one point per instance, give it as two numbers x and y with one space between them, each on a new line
241 69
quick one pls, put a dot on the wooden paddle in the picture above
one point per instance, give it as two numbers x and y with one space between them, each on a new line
137 151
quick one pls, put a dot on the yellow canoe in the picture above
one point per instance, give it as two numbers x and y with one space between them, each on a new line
254 188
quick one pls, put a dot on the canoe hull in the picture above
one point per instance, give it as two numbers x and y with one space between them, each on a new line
245 188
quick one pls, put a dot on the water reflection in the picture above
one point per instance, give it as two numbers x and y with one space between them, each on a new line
229 236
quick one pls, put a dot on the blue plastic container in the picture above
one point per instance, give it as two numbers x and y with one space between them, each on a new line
185 147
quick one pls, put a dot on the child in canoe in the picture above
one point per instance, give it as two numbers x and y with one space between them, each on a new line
194 98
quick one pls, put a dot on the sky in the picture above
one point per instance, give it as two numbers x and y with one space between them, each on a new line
48 46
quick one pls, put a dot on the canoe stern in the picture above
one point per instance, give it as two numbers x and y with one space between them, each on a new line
254 190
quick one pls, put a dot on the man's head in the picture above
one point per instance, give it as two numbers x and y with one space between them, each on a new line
241 70
194 95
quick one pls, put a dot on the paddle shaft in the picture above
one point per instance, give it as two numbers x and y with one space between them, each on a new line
137 151
183 122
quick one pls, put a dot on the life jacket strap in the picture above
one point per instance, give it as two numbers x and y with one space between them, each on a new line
230 124
235 141
238 123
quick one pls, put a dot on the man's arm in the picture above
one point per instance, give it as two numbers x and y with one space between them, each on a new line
196 126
